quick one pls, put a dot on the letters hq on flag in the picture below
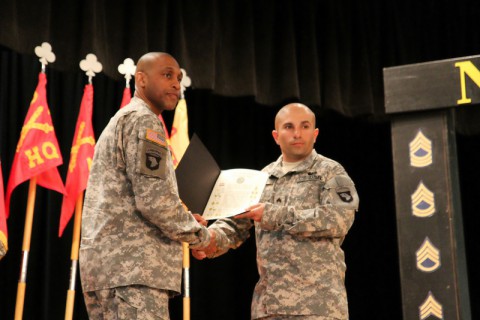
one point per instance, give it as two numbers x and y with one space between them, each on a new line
81 156
37 152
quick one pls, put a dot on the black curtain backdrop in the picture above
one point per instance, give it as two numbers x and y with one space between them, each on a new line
328 54
246 59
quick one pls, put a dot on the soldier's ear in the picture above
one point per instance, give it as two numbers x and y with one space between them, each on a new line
275 135
140 79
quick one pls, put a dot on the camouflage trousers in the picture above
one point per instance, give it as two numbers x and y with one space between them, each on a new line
127 303
287 317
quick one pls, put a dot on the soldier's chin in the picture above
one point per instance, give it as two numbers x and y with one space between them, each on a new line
173 104
170 106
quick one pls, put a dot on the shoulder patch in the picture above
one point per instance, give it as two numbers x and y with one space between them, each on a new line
156 137
342 192
345 195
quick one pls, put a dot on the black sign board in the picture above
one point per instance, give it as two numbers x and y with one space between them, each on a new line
432 85
429 220
427 193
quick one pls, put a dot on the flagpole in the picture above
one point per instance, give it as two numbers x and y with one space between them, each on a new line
186 281
27 235
180 142
74 257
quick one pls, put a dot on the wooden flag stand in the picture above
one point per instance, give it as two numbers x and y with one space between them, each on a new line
44 52
178 153
74 258
91 66
186 281
27 236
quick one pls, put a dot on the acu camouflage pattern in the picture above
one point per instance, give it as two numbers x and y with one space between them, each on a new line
133 220
132 302
284 317
308 212
3 250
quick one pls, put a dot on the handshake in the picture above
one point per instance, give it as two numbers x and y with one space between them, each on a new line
210 250
254 212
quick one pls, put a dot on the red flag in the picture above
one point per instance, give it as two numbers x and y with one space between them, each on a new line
37 151
81 156
127 96
3 220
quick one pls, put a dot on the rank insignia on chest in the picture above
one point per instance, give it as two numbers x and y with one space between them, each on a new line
156 137
310 176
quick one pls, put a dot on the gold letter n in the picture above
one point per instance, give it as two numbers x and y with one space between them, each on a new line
467 67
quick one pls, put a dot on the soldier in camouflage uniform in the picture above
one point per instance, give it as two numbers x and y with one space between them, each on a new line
305 212
133 221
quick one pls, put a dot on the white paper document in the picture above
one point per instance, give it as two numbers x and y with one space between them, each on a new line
234 191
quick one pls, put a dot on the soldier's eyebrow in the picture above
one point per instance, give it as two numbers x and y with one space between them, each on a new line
290 123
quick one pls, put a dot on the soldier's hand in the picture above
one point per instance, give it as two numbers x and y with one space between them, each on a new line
200 219
208 251
199 254
254 212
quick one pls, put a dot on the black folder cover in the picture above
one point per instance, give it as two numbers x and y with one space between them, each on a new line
196 174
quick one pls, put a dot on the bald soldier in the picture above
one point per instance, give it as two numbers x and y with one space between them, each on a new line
304 214
133 221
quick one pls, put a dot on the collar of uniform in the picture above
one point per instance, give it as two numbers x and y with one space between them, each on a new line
277 171
138 101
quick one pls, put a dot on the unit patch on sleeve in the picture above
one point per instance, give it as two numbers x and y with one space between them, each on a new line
152 159
345 195
342 192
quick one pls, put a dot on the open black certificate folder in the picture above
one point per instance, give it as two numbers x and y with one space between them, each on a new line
212 192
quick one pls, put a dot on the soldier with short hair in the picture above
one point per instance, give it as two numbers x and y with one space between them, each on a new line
133 221
304 214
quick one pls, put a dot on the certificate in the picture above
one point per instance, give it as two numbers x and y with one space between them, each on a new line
234 190
212 192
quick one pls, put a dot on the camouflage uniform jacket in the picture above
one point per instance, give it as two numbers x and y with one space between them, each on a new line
308 212
133 221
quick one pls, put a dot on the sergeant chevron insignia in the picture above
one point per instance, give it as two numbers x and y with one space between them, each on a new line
423 202
420 151
428 257
430 307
